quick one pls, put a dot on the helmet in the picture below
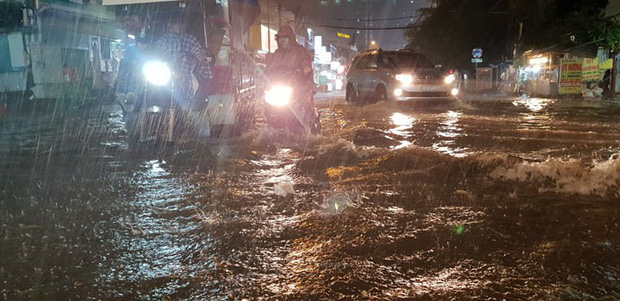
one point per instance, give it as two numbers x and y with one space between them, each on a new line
143 36
286 31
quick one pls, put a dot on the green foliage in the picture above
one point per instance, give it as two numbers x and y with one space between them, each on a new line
609 32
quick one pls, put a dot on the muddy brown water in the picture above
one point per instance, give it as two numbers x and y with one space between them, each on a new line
484 199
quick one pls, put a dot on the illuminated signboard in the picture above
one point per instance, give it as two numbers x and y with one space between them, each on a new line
344 35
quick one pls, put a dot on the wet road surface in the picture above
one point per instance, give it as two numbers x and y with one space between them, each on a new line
472 200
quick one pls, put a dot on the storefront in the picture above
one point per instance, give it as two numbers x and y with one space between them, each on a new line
540 73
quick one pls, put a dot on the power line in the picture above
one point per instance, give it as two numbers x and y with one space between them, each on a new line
369 28
371 20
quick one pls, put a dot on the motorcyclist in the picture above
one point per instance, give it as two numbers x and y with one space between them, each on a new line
130 79
292 56
187 58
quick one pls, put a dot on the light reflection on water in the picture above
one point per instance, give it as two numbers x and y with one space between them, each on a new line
449 130
404 123
154 236
533 104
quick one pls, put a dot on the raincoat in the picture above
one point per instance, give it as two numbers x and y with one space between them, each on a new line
297 58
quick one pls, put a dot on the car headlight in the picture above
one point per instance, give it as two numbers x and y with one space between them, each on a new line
449 79
405 79
157 73
279 96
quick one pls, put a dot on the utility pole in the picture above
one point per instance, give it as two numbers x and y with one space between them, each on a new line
279 15
614 73
268 29
367 23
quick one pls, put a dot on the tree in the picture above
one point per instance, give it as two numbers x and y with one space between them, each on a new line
448 32
452 28
609 33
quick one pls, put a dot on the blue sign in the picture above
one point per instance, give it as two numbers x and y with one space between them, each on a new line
476 53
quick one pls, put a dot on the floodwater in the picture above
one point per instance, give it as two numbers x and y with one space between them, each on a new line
473 200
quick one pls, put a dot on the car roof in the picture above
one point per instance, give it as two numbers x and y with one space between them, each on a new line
370 51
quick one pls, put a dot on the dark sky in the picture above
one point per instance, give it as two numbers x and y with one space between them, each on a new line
397 12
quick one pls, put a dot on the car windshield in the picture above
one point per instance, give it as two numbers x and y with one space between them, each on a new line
408 60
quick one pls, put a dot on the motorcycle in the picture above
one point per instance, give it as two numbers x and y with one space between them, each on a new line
153 114
288 106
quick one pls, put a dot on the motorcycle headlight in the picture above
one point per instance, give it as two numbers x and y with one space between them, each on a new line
279 96
449 79
157 73
405 79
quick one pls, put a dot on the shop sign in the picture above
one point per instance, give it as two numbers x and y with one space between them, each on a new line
344 35
606 65
590 70
571 77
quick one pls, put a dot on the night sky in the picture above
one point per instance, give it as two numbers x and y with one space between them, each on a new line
384 13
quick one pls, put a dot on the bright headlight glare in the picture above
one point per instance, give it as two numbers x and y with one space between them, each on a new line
405 79
398 92
157 73
279 96
455 92
450 79
153 109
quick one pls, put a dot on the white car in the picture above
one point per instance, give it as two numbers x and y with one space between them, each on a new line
401 75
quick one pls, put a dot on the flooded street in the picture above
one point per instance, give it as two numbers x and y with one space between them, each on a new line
502 199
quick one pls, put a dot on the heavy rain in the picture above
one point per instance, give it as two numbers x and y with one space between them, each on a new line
368 162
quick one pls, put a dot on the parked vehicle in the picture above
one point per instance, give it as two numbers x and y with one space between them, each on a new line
401 75
289 107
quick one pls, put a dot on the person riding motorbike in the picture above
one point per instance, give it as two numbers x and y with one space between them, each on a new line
191 67
130 81
187 58
292 56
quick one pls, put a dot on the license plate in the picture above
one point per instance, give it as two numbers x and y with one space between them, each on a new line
430 88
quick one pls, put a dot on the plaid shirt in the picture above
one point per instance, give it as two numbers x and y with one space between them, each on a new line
175 49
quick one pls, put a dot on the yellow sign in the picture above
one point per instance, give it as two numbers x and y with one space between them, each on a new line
571 77
590 70
344 35
606 65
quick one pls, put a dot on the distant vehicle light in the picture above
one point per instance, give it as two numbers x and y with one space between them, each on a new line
449 79
398 92
279 96
455 92
405 79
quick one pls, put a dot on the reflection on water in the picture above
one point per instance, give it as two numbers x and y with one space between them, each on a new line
277 168
153 235
404 124
533 104
447 132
